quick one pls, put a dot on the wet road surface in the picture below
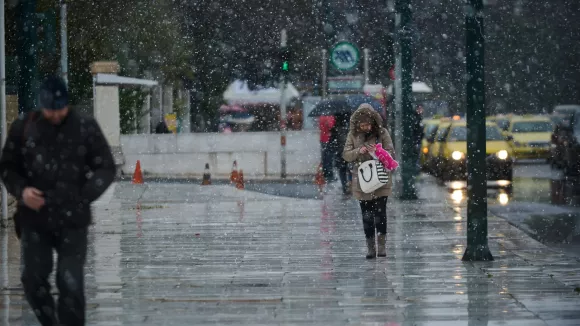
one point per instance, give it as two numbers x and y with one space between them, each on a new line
179 254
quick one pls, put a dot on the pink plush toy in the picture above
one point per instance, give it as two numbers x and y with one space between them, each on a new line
384 157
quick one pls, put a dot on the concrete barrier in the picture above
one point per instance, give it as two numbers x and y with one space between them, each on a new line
257 153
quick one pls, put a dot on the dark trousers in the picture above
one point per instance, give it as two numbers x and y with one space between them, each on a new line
327 158
343 171
374 215
37 263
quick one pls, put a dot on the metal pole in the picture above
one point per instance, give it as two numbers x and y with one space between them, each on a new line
366 65
63 42
406 114
324 73
477 245
3 107
283 114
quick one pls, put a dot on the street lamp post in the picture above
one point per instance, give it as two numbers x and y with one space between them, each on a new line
4 218
405 116
477 245
63 42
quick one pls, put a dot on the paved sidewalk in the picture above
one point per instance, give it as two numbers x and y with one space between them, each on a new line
182 254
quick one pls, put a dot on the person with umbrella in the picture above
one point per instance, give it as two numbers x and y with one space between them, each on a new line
338 136
365 132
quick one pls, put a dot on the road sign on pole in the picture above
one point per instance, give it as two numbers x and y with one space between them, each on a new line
477 244
344 56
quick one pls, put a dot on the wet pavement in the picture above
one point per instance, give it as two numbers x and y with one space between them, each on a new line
541 203
182 254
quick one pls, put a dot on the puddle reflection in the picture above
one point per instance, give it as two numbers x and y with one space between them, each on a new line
139 220
501 196
327 228
477 298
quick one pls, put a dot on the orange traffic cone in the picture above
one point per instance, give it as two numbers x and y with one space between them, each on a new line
206 176
319 178
240 181
138 176
234 174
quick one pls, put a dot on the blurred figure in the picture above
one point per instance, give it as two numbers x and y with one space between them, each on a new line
338 136
418 132
325 123
56 163
162 128
365 132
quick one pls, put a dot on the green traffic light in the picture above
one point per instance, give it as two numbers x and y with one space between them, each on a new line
285 66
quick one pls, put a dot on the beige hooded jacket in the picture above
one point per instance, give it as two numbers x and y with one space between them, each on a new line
356 139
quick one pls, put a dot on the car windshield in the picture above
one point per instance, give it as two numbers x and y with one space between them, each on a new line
441 134
503 123
492 133
458 134
532 126
430 132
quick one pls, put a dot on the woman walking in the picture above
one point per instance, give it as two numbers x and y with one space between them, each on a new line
364 133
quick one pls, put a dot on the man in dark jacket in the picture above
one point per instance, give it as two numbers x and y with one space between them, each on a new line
56 163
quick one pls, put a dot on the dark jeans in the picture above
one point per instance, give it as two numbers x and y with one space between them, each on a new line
71 248
327 158
374 215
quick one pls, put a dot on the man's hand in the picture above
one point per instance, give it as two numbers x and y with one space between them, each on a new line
33 198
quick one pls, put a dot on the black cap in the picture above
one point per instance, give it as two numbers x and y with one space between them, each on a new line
53 94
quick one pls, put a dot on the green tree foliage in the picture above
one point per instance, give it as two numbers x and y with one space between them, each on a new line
143 35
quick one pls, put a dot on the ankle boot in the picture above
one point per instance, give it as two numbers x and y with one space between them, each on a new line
371 250
382 251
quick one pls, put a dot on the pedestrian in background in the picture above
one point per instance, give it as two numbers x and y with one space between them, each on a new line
338 136
325 124
56 162
365 132
418 129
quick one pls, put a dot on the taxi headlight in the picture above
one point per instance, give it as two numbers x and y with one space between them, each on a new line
502 155
457 155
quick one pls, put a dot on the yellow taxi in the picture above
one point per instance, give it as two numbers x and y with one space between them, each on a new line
453 152
432 155
429 131
531 136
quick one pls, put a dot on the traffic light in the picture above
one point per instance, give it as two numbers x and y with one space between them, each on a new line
286 57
